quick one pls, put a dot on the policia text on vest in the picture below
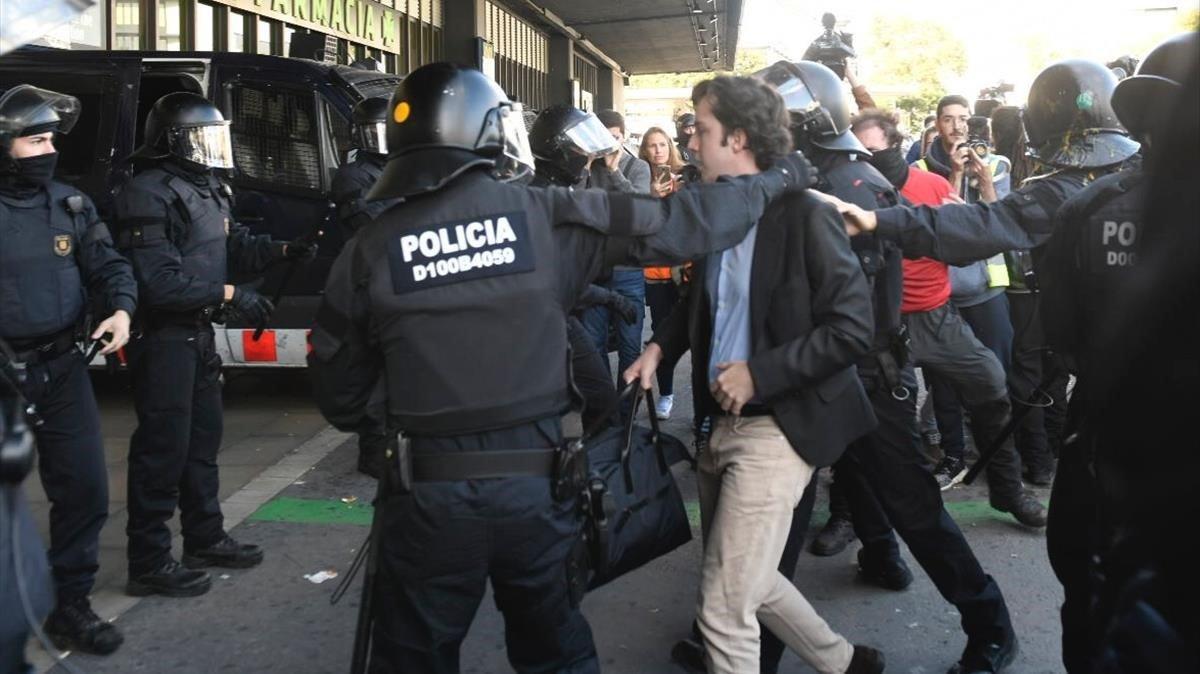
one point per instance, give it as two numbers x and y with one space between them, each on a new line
494 245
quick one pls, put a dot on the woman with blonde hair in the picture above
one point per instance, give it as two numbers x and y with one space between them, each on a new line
663 283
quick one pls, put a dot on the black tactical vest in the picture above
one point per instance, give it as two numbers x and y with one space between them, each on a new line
861 184
1107 247
205 209
464 301
41 289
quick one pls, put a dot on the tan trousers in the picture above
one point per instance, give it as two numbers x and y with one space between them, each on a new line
750 479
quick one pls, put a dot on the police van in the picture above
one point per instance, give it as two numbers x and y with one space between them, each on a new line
290 132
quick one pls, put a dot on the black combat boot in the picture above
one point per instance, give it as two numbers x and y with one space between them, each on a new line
74 626
1024 507
866 660
837 533
225 552
890 574
171 579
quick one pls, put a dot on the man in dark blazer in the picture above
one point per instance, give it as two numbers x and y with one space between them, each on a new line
775 325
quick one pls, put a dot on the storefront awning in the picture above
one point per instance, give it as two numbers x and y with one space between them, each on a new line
654 36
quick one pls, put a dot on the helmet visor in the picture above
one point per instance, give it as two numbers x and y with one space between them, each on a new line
27 109
590 138
208 145
371 137
517 159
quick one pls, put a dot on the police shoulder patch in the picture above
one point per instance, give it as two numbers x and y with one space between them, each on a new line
62 245
454 252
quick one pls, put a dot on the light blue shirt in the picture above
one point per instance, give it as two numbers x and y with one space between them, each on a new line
728 287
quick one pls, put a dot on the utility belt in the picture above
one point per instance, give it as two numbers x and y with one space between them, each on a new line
883 366
44 349
566 466
152 319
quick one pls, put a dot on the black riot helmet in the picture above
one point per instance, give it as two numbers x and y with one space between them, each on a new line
1069 117
1145 101
816 103
565 139
682 135
444 120
368 125
26 110
187 126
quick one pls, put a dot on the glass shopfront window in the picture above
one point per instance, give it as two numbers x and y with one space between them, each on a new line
170 25
237 31
205 28
288 31
263 37
127 24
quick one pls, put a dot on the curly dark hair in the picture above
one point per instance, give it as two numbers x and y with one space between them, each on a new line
753 106
872 117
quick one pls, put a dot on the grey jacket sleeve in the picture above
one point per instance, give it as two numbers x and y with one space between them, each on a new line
690 223
962 233
343 367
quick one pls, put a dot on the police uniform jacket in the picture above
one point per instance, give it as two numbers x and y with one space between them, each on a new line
53 249
810 320
350 186
461 296
177 228
1089 261
962 233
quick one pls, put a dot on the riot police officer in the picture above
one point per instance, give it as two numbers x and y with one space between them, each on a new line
1088 265
1073 130
55 256
564 141
353 180
458 296
176 225
882 474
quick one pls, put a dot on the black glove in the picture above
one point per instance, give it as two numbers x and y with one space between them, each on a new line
299 250
250 306
800 172
627 308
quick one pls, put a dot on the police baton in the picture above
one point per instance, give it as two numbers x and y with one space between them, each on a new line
286 281
1037 398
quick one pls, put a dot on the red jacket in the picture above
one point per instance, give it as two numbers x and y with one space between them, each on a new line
926 281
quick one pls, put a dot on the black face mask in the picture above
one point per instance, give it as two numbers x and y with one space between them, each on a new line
891 164
28 175
37 170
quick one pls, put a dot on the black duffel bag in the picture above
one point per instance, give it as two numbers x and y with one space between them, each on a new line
636 513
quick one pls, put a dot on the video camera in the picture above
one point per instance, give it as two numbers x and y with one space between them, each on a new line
996 93
831 48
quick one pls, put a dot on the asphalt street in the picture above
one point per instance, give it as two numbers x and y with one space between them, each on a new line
278 617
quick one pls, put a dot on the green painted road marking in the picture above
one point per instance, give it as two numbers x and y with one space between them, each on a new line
327 511
314 511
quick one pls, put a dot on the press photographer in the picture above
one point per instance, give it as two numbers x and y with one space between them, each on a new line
831 48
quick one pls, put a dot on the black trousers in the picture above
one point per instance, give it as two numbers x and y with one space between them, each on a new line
443 541
589 371
173 453
662 298
1070 535
71 465
1040 433
885 479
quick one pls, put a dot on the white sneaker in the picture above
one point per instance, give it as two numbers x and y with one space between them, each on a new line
662 409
